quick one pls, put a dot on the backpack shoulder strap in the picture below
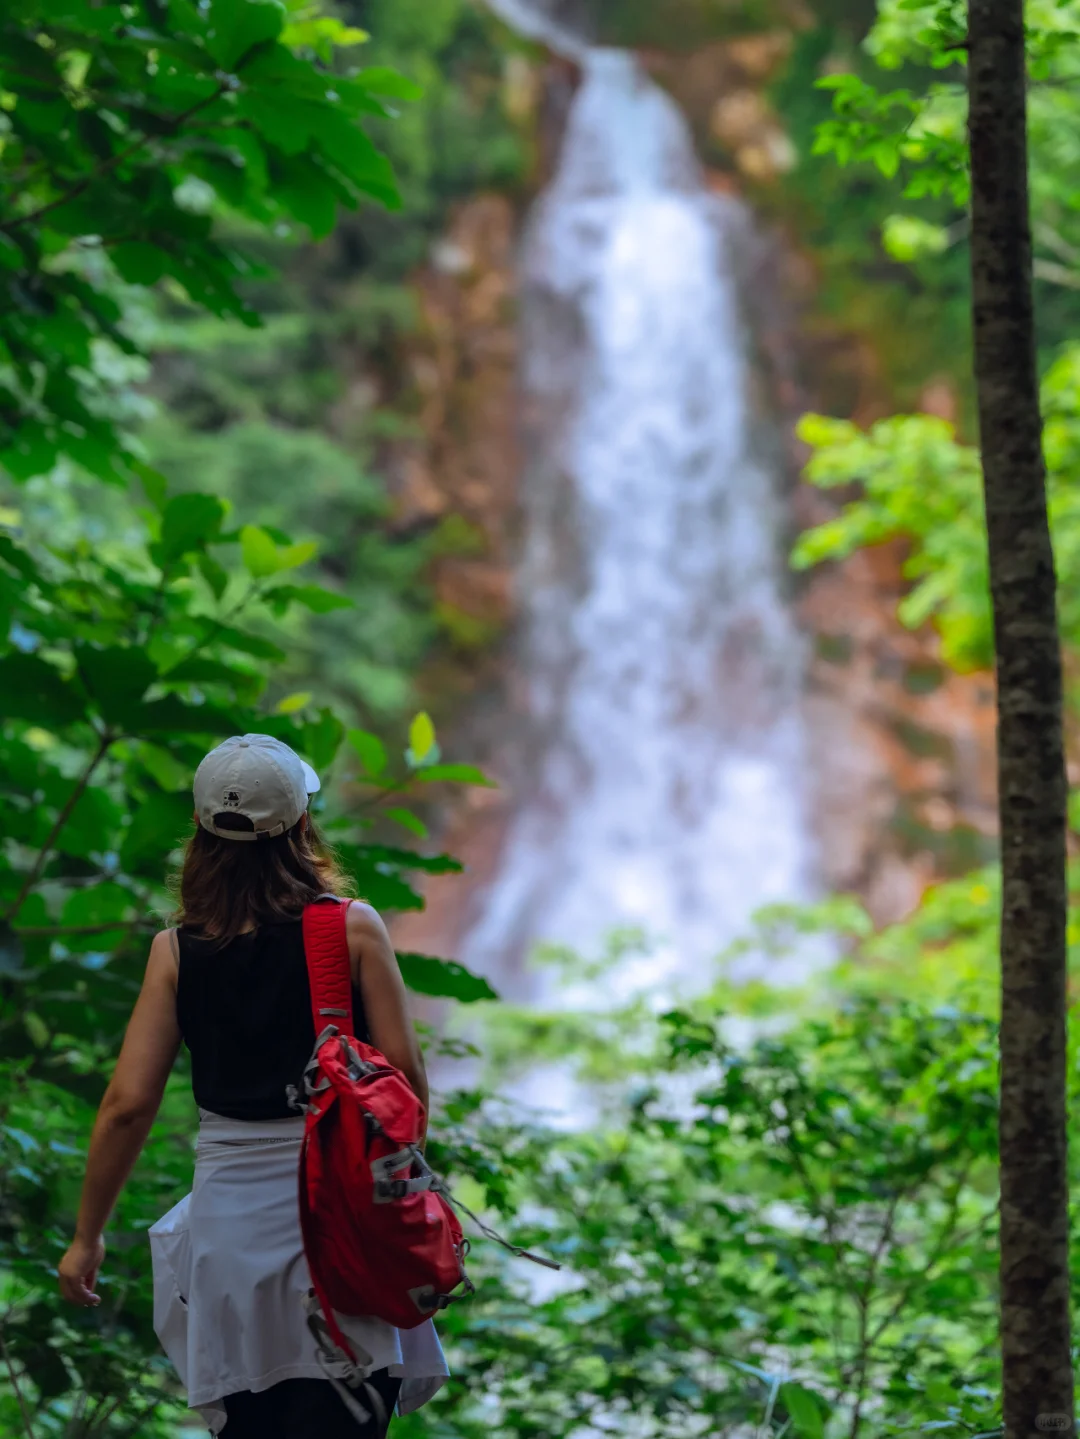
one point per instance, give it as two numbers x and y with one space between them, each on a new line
326 950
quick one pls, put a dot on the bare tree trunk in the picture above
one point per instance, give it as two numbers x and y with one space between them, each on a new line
1035 1309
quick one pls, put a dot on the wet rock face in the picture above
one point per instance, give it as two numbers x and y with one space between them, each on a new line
459 472
903 749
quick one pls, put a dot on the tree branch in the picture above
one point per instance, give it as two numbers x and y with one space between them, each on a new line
106 741
108 166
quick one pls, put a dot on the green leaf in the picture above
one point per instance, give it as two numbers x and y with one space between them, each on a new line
263 557
319 740
96 905
189 522
140 263
381 80
173 716
201 670
254 645
37 1029
443 979
371 750
214 574
407 820
320 600
117 677
321 33
293 703
804 1408
163 768
159 824
308 193
236 26
421 738
260 554
457 773
291 557
34 691
384 856
11 257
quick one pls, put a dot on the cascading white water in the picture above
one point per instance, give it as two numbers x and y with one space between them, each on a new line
663 777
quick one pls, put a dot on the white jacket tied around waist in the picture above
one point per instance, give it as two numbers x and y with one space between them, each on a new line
230 1278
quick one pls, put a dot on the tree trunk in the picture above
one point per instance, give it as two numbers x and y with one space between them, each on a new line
1035 1309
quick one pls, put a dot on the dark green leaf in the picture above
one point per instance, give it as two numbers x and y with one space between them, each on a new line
34 691
159 824
189 522
116 678
237 26
214 574
319 600
443 978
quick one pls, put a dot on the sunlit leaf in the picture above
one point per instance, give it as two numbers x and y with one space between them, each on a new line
260 554
293 703
421 738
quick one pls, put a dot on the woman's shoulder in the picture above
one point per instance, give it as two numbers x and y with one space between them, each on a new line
362 915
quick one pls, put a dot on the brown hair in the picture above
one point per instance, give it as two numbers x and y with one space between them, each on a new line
226 886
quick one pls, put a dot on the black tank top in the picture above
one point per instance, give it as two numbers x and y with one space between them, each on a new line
244 1010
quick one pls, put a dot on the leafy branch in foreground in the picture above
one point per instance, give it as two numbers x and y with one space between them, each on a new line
916 134
123 126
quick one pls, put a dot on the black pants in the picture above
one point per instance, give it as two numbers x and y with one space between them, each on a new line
305 1409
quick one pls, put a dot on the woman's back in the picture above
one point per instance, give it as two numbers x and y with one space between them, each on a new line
244 1010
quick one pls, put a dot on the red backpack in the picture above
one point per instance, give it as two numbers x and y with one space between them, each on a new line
380 1238
379 1232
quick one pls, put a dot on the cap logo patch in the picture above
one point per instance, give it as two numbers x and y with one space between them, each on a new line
230 799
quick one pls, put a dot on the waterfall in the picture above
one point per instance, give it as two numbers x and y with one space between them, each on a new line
662 775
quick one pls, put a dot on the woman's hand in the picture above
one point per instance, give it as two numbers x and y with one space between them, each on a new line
79 1271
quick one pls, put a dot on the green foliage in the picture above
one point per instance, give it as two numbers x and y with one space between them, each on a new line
920 484
83 1374
121 670
299 422
912 314
142 145
461 139
918 133
795 1233
118 124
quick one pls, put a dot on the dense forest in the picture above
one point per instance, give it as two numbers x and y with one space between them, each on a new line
215 220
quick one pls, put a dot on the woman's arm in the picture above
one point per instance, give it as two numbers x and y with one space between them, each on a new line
127 1111
376 972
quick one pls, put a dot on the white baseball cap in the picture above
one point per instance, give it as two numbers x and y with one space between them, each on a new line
257 777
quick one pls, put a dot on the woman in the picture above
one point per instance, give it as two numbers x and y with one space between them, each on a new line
230 1279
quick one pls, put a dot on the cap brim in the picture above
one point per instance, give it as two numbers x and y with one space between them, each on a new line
311 779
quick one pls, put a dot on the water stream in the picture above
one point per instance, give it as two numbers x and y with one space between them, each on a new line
662 780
